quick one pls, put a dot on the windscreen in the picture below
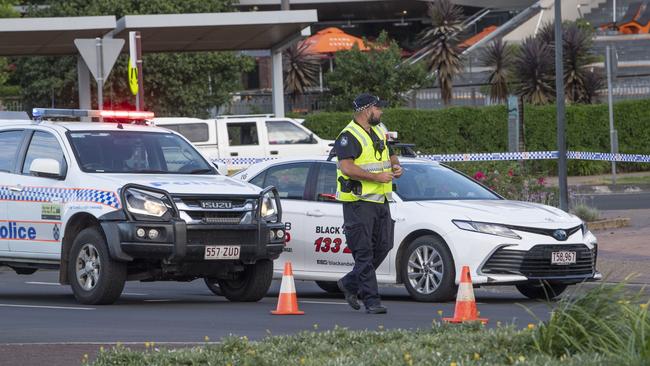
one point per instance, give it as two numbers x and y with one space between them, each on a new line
136 152
422 182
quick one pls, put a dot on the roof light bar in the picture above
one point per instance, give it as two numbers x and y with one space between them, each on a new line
40 113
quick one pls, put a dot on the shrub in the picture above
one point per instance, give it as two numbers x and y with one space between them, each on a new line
484 129
606 320
586 213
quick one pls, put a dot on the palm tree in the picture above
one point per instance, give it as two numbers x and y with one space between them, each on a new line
301 69
575 50
533 68
443 39
498 57
577 43
593 82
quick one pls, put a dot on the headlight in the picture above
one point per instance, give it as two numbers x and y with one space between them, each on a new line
486 228
268 211
145 203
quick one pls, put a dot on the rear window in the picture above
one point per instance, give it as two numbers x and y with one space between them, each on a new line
195 132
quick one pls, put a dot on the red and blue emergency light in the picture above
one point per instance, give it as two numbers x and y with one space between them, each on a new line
40 113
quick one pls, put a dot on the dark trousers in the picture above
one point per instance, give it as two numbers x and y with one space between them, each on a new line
369 235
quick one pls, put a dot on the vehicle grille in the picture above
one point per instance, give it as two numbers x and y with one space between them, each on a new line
233 215
195 202
211 217
221 237
536 263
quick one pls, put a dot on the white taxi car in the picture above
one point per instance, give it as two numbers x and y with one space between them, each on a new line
444 220
110 202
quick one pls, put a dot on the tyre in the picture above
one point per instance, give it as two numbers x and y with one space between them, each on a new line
329 286
213 285
251 285
427 270
541 290
95 278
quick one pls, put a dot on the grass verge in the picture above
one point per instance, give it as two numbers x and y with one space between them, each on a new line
602 326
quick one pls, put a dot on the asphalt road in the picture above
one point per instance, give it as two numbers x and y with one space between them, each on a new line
32 307
616 201
41 323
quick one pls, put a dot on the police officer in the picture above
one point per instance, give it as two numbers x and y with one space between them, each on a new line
365 170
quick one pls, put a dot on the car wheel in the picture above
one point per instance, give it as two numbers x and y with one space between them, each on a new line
213 285
427 270
251 284
329 286
94 277
541 290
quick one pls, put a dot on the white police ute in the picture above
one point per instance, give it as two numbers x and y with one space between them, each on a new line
107 202
443 220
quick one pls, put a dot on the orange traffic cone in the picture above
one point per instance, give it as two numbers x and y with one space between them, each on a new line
465 303
288 301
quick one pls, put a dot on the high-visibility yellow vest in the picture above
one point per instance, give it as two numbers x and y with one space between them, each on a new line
347 190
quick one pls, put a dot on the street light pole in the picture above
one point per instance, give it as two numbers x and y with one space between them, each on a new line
559 90
613 136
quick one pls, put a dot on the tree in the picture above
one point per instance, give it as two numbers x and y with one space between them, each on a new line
443 39
581 82
374 71
533 68
186 84
301 69
498 56
6 11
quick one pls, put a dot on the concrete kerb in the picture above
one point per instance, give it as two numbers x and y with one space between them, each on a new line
609 223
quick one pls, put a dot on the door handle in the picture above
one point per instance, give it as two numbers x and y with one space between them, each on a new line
316 213
16 189
234 154
399 219
274 152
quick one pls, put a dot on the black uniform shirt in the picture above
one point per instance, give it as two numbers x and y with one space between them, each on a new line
348 147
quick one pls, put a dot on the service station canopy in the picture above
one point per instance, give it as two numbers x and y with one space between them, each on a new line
159 33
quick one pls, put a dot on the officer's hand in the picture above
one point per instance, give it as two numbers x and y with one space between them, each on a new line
397 171
384 177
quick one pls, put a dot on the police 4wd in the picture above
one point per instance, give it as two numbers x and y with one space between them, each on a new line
109 202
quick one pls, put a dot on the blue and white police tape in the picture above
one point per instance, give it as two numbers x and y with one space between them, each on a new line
500 156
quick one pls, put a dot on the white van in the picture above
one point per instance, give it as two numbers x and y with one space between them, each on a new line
248 136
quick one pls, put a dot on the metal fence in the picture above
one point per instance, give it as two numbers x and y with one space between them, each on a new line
11 104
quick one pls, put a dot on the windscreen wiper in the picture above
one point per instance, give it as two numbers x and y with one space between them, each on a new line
201 171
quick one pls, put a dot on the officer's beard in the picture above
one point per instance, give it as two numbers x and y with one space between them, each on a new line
374 120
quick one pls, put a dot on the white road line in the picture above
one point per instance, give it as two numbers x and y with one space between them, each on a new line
43 283
158 300
134 294
45 307
323 302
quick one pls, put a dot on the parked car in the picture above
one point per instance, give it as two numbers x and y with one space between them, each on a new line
251 136
444 220
104 203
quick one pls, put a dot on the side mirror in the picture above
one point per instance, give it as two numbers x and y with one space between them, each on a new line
222 168
47 168
312 139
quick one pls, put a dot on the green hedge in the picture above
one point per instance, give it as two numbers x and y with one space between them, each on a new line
484 129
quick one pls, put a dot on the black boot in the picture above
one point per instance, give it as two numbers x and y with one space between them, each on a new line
376 309
349 296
